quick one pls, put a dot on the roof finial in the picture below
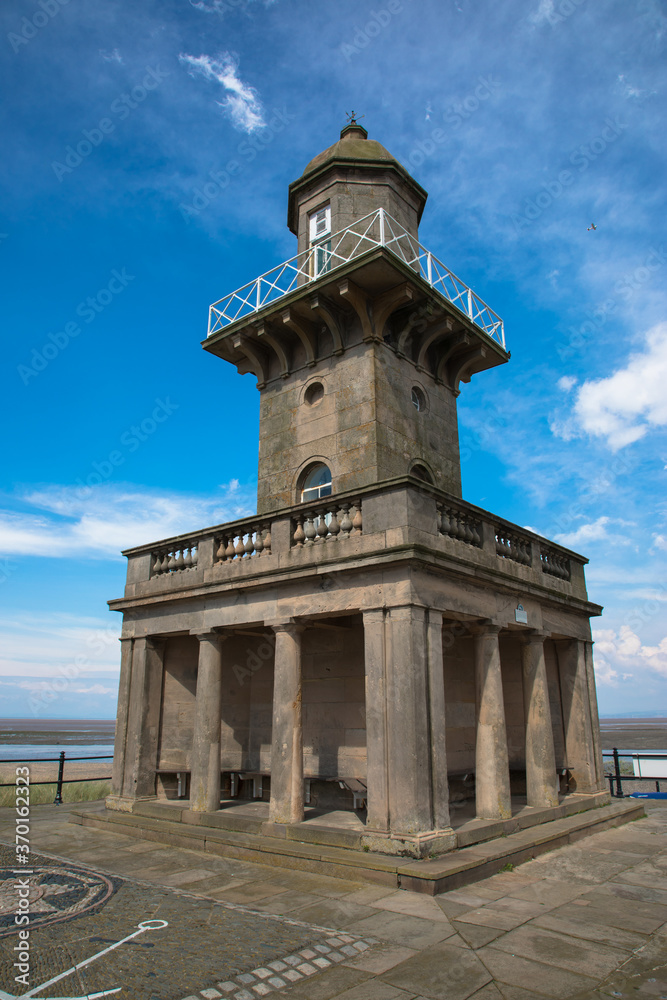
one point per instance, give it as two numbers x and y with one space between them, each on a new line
353 118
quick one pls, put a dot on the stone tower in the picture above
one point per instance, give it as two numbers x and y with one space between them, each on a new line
359 364
367 640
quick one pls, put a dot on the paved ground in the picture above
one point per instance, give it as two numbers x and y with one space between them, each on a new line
586 921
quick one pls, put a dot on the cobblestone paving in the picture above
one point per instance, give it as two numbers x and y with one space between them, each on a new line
205 942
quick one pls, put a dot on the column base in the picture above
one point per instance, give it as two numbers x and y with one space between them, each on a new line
123 803
410 845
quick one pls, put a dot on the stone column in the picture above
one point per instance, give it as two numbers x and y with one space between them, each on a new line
492 776
408 743
143 721
287 749
122 714
438 726
595 718
541 778
577 723
205 763
375 651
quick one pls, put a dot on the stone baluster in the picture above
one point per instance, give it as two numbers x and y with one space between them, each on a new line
229 551
259 541
157 565
357 522
334 526
309 530
346 522
322 527
239 548
249 546
299 534
266 550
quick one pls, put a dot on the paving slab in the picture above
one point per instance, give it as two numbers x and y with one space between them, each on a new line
505 913
537 977
412 904
381 958
567 921
561 950
476 935
444 972
413 932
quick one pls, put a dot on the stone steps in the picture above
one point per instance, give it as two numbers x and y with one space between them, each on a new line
450 871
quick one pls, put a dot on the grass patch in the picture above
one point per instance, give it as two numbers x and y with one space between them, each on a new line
80 791
509 867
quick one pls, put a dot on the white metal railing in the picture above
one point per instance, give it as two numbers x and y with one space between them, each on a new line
378 229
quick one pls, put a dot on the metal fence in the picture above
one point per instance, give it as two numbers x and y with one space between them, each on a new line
616 777
61 779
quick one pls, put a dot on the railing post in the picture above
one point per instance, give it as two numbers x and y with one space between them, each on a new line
382 242
429 268
257 300
617 775
470 303
58 801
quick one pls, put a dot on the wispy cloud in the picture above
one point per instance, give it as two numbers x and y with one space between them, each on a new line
97 522
242 105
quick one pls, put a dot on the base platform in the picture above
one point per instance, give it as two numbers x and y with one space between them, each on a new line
330 843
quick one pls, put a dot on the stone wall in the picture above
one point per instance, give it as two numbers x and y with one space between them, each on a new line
334 714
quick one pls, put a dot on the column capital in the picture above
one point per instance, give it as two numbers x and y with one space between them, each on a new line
373 614
291 626
217 638
533 636
157 642
484 627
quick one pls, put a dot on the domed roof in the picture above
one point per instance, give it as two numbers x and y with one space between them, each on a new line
354 148
353 144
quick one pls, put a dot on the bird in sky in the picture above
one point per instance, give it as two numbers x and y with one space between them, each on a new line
592 226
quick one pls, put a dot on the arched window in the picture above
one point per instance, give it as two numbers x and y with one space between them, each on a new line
421 472
317 483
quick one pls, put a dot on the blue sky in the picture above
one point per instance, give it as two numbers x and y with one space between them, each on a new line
525 121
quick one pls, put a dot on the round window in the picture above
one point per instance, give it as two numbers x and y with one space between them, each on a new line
314 393
418 398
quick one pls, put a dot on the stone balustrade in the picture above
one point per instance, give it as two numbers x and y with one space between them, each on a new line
326 522
457 522
397 515
510 545
175 560
238 543
555 563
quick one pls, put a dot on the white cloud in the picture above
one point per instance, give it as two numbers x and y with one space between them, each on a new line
99 521
566 383
621 655
592 532
625 406
242 104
